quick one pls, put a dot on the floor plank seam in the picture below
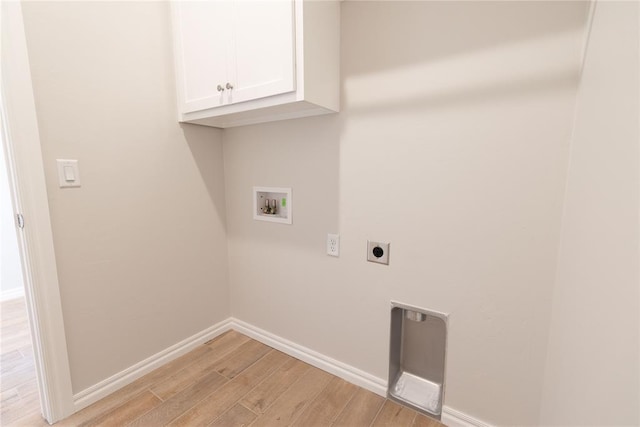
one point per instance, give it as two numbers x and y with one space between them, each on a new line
315 396
377 414
229 351
344 407
152 408
262 381
413 420
245 407
256 361
265 410
229 409
197 401
216 357
259 383
237 401
196 360
151 391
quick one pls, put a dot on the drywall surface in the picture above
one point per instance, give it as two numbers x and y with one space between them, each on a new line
593 367
451 145
11 281
141 246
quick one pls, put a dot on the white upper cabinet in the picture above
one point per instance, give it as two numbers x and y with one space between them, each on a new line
205 47
264 45
250 61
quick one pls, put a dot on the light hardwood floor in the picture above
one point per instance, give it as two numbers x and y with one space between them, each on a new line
18 385
236 381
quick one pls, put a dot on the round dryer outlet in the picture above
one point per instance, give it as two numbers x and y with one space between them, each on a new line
378 252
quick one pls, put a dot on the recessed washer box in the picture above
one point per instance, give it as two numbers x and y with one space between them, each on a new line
272 204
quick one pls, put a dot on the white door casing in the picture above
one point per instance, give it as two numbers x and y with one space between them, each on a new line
21 143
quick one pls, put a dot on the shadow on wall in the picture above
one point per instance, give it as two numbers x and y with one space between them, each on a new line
205 145
465 96
433 31
448 54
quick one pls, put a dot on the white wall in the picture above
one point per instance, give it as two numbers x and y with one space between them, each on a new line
452 145
141 246
593 365
11 281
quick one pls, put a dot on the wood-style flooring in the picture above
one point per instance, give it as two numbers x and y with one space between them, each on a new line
236 381
18 385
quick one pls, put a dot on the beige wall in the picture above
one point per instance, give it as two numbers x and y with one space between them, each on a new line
593 366
141 246
452 145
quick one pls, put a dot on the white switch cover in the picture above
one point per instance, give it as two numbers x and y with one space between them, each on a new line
68 173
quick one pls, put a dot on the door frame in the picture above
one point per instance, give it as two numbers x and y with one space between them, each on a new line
23 156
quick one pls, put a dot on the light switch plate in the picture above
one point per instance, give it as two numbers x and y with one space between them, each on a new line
68 173
378 252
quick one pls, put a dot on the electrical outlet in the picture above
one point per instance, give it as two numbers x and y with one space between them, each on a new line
378 252
333 244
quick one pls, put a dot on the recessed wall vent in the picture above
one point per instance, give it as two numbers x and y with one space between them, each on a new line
417 357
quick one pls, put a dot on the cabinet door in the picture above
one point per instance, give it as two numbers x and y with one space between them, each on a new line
203 38
263 38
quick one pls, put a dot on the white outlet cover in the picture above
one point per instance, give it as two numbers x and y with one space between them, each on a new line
378 252
333 244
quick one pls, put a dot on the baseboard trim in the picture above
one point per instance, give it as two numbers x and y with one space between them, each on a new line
12 294
102 389
455 418
339 369
451 417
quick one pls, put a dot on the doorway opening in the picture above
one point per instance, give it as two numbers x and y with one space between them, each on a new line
22 165
18 378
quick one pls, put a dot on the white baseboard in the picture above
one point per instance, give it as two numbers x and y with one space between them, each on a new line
12 294
339 369
454 418
102 389
451 417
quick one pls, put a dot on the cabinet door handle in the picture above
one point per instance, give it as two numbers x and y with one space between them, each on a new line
220 88
229 86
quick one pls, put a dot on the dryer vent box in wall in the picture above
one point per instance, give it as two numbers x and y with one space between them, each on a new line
272 204
417 358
